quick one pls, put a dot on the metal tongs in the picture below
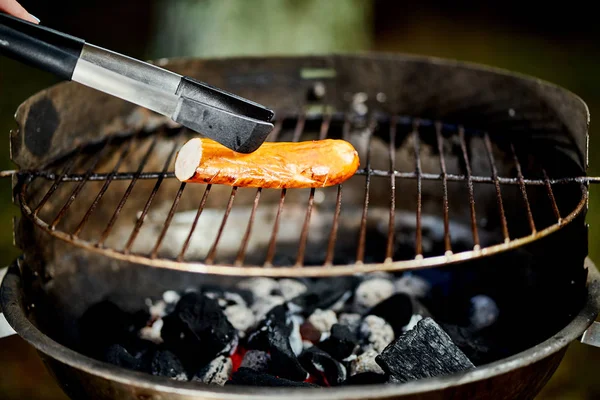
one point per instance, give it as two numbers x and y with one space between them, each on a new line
233 121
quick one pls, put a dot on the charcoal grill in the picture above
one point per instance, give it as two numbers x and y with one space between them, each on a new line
486 162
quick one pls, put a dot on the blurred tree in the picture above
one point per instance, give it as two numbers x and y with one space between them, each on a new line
211 28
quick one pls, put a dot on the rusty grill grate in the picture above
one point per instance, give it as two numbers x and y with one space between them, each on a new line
121 198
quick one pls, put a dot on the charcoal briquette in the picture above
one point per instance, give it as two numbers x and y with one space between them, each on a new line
412 285
350 320
119 356
104 324
165 363
256 360
249 377
198 330
365 378
323 320
241 317
317 362
273 336
291 288
374 332
479 347
423 352
483 312
395 310
217 372
371 292
324 293
365 362
340 344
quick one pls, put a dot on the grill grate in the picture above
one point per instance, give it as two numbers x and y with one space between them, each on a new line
54 200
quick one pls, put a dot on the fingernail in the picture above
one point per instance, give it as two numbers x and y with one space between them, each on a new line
36 18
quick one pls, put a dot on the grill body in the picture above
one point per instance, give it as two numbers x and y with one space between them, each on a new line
64 270
519 377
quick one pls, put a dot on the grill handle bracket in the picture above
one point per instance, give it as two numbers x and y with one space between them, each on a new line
591 336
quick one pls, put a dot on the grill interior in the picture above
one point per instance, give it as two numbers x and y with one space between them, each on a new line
426 194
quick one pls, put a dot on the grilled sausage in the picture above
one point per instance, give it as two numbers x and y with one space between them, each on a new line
278 165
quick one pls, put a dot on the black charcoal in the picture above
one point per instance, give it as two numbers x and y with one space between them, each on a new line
365 362
198 330
365 378
165 363
119 356
217 372
375 333
104 324
423 352
479 347
371 292
256 360
483 312
320 364
273 336
396 310
249 377
340 344
324 293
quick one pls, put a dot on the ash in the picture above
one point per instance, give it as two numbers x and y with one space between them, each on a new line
371 329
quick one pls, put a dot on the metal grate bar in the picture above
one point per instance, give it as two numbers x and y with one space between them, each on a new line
299 127
126 176
82 183
552 199
446 210
276 129
305 226
273 241
201 206
167 223
159 181
58 181
360 254
334 228
418 171
463 146
523 189
213 250
242 251
391 226
100 194
311 198
115 215
490 154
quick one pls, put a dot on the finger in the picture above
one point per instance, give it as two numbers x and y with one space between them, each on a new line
13 8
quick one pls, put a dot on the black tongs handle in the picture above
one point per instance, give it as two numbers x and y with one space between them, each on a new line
39 46
233 121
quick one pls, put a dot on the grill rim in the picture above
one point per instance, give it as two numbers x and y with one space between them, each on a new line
12 303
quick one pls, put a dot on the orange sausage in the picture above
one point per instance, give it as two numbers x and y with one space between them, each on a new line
277 165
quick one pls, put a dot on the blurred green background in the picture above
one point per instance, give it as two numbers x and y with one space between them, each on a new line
558 43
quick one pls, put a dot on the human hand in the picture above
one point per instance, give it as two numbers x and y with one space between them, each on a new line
15 9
